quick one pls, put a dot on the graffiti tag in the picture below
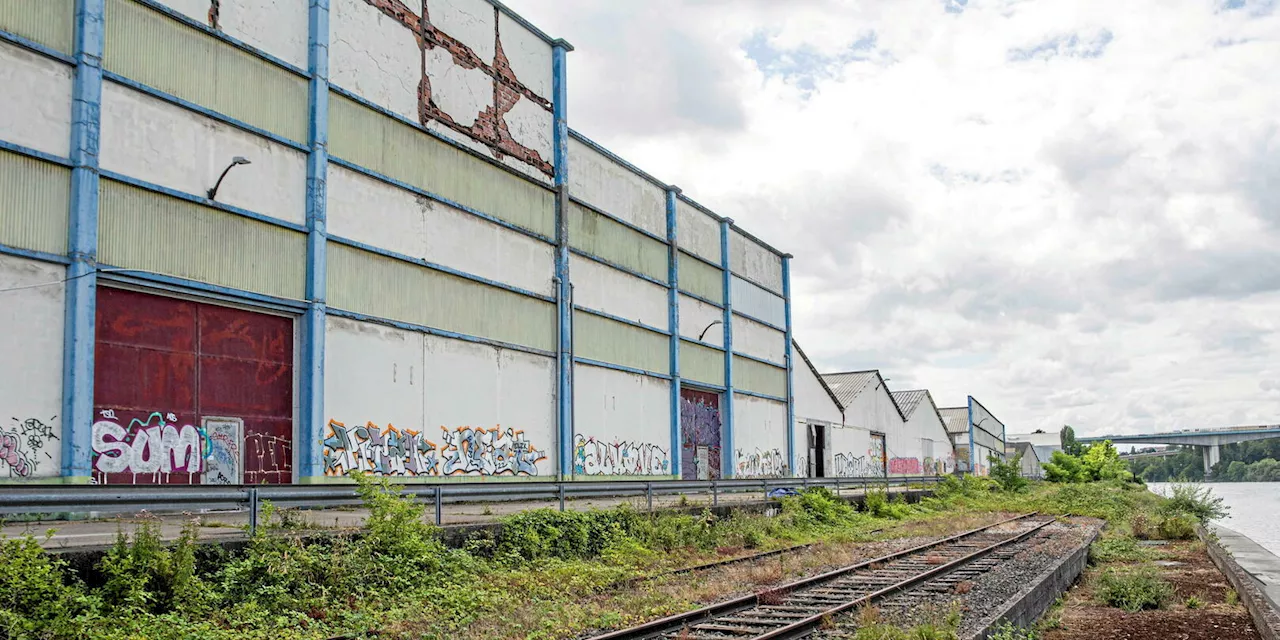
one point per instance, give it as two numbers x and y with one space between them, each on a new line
154 445
402 452
593 457
761 464
22 444
905 466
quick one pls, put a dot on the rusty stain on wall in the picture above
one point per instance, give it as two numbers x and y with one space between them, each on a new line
490 127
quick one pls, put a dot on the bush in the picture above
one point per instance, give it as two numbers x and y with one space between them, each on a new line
1117 549
35 601
1133 591
1178 527
1007 631
1008 475
568 535
1195 501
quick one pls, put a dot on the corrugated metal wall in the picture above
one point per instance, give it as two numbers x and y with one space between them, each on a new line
48 22
599 236
759 377
35 203
158 51
701 364
597 338
162 234
367 138
758 302
701 279
385 287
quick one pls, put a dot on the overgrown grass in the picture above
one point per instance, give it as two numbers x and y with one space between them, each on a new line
546 574
1133 591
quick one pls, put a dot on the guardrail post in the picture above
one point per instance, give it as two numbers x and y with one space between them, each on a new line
715 498
765 483
648 492
253 511
562 496
439 506
806 483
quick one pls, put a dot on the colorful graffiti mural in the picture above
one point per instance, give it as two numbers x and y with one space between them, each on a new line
22 445
152 445
390 451
595 457
700 433
761 464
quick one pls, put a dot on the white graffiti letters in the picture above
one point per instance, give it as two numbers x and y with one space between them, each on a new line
761 464
153 446
593 457
401 452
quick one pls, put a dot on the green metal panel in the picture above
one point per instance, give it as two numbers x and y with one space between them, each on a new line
758 377
597 338
701 364
147 46
157 233
35 203
48 22
385 287
701 279
372 140
599 236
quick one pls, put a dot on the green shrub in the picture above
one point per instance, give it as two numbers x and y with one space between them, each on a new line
1007 631
1117 549
1008 475
144 574
1133 591
1178 527
546 533
35 599
1195 501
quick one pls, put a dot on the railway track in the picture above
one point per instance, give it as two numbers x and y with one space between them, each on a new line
798 609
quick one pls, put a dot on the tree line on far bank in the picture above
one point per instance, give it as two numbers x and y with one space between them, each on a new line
1257 461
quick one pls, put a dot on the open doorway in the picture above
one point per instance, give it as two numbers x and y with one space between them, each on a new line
817 450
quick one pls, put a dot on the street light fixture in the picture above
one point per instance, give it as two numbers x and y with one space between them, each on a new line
213 193
706 328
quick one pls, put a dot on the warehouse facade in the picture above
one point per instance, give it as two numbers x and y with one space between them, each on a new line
275 242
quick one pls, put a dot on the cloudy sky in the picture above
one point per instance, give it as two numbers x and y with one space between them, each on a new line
1069 209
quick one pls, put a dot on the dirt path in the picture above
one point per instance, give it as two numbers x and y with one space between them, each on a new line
1214 614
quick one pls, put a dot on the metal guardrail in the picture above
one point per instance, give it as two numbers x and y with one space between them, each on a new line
53 499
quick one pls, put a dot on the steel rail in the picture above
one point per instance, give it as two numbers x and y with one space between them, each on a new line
657 628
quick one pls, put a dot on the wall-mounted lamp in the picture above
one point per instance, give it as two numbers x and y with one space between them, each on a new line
704 329
213 193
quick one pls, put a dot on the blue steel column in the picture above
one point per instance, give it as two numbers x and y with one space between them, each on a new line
728 453
791 396
973 453
82 244
564 305
673 324
311 466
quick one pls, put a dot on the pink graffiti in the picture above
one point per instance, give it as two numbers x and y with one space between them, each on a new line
906 466
11 455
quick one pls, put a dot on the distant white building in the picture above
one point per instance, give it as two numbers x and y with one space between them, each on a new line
1045 443
937 454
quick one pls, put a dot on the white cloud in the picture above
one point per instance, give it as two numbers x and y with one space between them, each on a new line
1068 210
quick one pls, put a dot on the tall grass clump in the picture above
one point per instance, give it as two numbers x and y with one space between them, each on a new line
1133 591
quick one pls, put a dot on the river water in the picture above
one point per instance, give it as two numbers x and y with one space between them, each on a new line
1255 509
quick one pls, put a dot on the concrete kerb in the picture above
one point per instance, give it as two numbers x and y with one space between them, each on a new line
1026 608
1264 611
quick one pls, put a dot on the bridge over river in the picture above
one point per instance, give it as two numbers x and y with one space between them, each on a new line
1210 441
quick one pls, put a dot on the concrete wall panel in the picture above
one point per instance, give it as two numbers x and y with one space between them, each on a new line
31 389
696 315
611 187
699 233
849 454
460 92
528 54
278 27
155 141
758 303
755 262
760 438
812 400
622 423
388 217
472 22
373 374
374 56
530 125
874 410
755 339
603 288
35 105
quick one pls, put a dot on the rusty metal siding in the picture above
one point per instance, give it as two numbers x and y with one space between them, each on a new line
758 377
35 203
599 236
374 141
701 364
755 262
157 233
701 279
158 51
385 287
597 338
48 22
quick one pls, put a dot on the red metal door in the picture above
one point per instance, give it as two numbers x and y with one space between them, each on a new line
163 365
700 435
